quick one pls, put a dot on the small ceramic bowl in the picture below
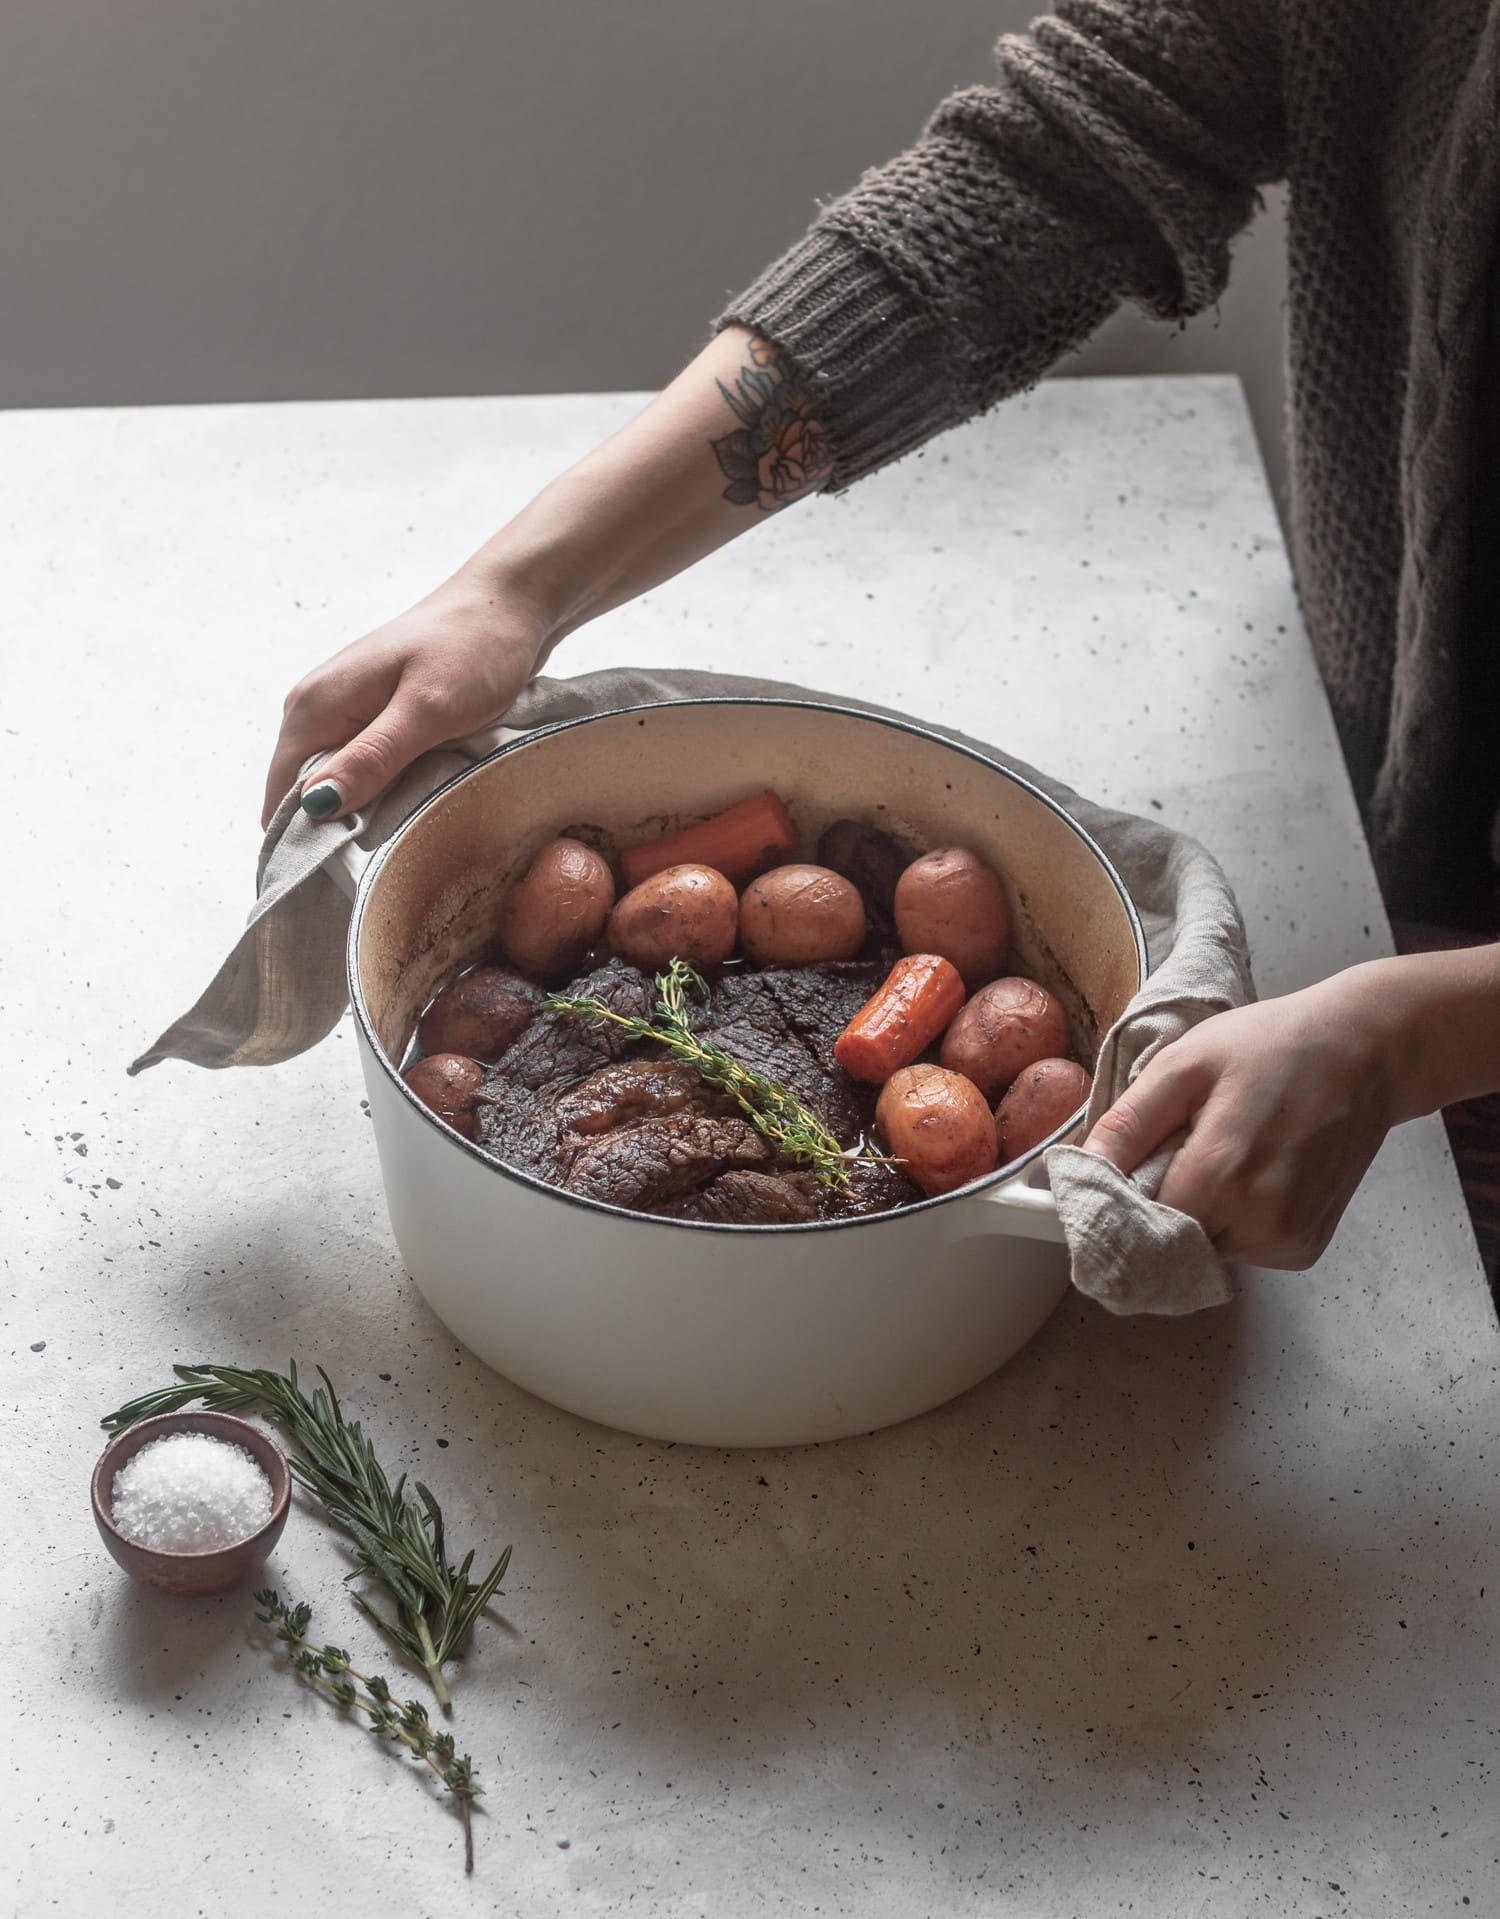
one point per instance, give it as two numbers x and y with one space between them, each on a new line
192 1574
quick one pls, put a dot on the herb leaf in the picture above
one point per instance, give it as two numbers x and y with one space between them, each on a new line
328 1671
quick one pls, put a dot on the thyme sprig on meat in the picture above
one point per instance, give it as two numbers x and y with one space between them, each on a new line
400 1545
403 1721
776 1112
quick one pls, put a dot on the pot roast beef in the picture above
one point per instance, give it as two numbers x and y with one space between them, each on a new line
783 1022
641 1165
556 1049
748 1199
582 1105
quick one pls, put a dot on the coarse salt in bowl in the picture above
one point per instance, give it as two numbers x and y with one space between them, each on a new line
190 1493
195 1518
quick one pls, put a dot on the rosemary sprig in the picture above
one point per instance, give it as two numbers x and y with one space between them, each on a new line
771 1108
399 1542
328 1671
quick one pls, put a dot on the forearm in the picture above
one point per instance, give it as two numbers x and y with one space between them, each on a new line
733 439
1438 1016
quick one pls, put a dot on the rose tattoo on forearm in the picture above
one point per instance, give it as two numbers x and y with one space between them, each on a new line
780 450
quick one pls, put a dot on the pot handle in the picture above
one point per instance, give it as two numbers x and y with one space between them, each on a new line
1030 1211
346 867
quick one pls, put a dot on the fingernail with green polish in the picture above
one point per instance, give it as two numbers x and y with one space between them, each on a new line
322 801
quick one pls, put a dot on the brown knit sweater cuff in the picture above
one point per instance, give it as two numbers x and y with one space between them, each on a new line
882 370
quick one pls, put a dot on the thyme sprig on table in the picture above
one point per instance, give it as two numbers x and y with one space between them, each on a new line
400 1545
328 1671
772 1109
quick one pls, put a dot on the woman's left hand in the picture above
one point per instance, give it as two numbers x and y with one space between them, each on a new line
1285 1104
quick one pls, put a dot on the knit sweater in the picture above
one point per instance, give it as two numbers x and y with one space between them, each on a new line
1119 151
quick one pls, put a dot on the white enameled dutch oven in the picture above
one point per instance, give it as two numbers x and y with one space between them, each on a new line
709 1334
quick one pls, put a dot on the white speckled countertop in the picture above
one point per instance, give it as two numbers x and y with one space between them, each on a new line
1181 1618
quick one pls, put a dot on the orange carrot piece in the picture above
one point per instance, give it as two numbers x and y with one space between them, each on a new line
901 1019
741 842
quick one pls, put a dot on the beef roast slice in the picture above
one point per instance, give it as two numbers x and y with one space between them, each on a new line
630 1091
747 1199
560 1047
640 1166
784 1021
541 1129
519 1126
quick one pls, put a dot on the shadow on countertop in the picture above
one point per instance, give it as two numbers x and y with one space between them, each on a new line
1063 1588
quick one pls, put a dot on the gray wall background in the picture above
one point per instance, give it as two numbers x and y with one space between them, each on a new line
278 199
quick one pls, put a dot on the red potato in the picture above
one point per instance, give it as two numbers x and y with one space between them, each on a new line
479 1015
450 1085
939 1125
1040 1099
800 915
557 910
950 902
686 912
1006 1027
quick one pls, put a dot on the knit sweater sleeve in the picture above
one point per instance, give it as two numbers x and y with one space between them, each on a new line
1114 158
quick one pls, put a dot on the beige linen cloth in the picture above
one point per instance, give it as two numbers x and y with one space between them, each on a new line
283 986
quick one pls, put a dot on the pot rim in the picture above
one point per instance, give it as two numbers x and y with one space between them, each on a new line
371 874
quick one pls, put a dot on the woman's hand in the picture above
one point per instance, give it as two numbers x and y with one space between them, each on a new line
452 663
1285 1105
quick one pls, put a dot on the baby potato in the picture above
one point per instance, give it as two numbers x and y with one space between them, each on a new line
799 915
683 912
557 910
1006 1027
939 1125
450 1085
1039 1101
480 1014
950 902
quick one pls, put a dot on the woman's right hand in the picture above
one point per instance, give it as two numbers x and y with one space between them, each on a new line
449 665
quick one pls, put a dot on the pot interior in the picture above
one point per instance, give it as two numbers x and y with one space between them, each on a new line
430 907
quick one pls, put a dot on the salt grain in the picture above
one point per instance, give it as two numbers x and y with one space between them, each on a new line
190 1493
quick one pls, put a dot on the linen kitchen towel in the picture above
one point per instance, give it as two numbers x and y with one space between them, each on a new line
283 986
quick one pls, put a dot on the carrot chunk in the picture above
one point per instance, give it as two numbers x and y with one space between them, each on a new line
905 1014
741 842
